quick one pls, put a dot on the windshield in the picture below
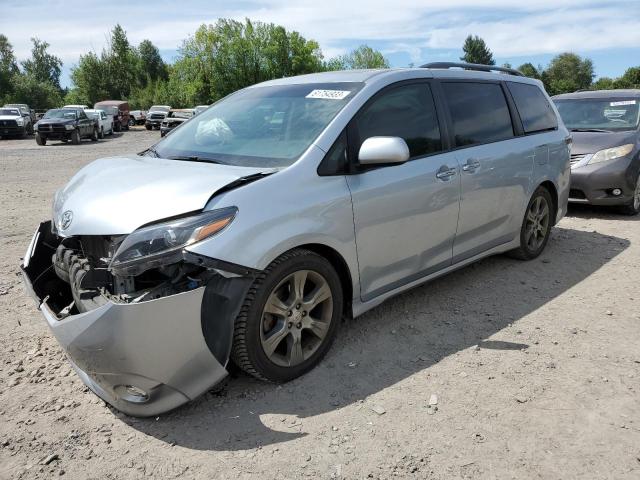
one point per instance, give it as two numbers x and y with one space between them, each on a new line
599 113
70 114
261 126
9 111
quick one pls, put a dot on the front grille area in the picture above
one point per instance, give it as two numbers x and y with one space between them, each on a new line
51 128
156 116
9 127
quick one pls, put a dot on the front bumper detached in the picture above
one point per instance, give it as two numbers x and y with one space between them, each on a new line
143 358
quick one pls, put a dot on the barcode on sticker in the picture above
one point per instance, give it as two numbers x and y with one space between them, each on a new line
623 102
329 94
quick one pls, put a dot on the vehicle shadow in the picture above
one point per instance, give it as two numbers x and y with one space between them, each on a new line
595 211
401 337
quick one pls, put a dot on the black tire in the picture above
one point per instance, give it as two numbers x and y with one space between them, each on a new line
132 122
529 250
118 127
75 137
112 130
30 129
42 141
148 127
101 134
247 351
633 207
94 135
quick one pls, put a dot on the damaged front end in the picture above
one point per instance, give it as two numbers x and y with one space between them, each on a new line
147 324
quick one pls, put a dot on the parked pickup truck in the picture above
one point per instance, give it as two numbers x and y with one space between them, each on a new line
66 124
120 111
175 118
137 117
155 115
12 123
28 114
103 119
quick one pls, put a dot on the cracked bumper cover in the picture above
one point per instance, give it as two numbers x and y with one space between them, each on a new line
157 346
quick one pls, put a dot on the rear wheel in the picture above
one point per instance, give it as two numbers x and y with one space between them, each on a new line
40 140
148 127
289 318
75 137
633 207
101 134
94 135
536 226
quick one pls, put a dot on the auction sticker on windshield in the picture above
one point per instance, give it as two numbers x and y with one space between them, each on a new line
624 102
329 94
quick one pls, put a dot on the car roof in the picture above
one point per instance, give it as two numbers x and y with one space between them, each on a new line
111 102
620 93
368 76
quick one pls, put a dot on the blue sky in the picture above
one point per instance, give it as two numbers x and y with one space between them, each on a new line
406 31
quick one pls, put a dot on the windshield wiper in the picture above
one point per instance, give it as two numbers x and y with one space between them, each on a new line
194 158
150 150
600 130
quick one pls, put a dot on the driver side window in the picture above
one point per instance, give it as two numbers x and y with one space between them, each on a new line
405 111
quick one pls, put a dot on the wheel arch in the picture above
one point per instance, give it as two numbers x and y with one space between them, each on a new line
551 188
342 269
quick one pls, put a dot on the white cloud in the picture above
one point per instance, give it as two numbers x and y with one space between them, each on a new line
510 28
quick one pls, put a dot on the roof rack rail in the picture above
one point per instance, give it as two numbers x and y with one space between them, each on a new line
473 66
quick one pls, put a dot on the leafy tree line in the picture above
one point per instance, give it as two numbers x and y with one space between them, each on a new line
215 61
223 57
566 72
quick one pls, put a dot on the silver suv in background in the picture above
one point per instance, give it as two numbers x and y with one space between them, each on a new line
249 233
605 153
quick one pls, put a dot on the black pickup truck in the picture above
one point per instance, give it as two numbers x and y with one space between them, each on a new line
65 124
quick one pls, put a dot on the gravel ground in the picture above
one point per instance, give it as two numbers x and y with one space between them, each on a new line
501 370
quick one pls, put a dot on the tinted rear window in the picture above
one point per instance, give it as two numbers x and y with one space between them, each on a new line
533 107
479 112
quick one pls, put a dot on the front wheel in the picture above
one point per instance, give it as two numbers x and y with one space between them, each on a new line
40 140
536 225
101 134
75 137
94 135
289 318
633 207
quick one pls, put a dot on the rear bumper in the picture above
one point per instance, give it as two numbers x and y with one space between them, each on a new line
594 184
155 346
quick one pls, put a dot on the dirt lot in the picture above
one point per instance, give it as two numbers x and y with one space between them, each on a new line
535 366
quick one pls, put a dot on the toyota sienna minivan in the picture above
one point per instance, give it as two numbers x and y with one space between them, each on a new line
247 234
605 153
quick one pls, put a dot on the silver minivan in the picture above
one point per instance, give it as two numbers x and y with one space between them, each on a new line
247 234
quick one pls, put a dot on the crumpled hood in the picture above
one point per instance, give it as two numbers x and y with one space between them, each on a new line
592 142
117 195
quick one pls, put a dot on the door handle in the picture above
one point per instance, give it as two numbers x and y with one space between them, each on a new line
445 173
471 166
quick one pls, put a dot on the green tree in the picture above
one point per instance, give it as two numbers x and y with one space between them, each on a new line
43 66
90 81
476 51
121 62
568 72
152 67
362 57
37 94
630 79
219 59
528 70
8 68
604 83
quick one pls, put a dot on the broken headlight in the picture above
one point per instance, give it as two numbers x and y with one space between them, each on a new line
162 243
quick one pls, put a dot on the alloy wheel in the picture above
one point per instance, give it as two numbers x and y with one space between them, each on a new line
296 318
537 224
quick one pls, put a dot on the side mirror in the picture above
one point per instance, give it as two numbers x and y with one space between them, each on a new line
383 150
